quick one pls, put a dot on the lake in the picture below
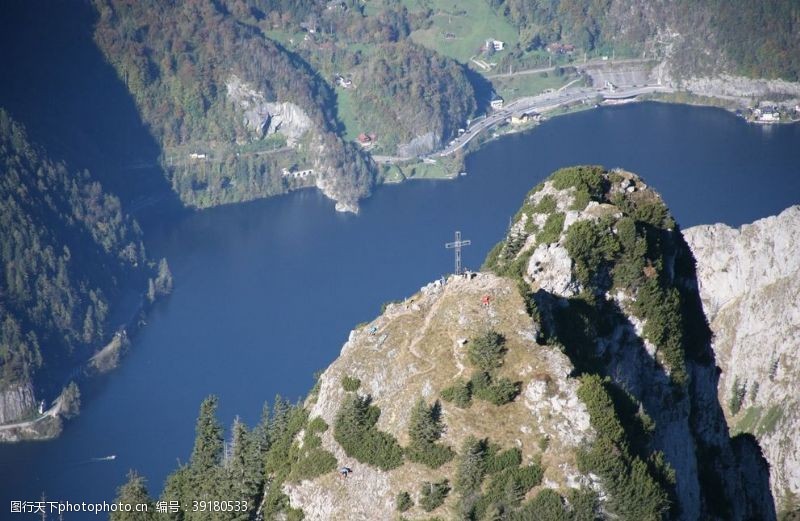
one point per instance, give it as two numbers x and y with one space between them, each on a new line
266 292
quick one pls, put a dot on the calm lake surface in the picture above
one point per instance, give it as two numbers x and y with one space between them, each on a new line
267 292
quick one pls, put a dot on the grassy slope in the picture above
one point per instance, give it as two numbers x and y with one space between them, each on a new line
472 22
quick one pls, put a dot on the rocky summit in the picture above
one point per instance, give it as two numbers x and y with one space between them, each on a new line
572 378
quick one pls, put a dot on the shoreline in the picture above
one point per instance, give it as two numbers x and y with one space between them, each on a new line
49 424
476 142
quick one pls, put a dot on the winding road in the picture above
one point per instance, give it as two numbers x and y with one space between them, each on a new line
544 103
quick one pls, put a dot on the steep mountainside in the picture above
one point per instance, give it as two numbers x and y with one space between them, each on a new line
68 250
573 378
750 282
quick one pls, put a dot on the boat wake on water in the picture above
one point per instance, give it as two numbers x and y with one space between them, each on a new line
106 458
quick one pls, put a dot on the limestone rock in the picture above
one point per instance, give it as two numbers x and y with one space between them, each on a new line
750 282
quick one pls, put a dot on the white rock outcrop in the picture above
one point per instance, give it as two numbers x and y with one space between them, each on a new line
750 285
264 117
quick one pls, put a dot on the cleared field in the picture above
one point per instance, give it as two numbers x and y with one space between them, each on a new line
346 110
467 22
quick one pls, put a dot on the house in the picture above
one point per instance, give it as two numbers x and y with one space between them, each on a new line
366 140
769 115
494 45
519 118
309 26
344 82
496 102
524 117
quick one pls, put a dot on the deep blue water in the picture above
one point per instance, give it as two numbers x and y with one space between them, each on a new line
267 292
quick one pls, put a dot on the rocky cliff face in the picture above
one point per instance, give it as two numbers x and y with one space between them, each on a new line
749 282
16 401
606 388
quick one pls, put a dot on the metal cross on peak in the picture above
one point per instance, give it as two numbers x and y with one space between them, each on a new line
457 244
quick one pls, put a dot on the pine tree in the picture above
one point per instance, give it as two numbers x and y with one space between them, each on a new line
207 452
178 488
425 426
261 435
280 417
244 467
134 493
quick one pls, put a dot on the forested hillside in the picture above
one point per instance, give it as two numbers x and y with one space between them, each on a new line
68 251
405 92
177 60
756 39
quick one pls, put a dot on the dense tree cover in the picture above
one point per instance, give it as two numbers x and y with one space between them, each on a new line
758 39
405 91
509 481
356 432
176 58
251 465
634 492
66 246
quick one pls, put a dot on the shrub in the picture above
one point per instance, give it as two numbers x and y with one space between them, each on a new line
585 179
403 501
459 394
507 489
591 246
547 204
486 351
432 495
317 425
551 231
431 455
350 384
498 392
546 506
313 463
738 392
581 201
355 431
497 461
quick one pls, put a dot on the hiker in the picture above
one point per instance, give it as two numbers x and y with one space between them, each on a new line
345 471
